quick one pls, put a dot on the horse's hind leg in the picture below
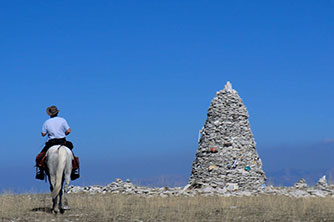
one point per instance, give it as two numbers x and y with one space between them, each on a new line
54 201
65 190
60 205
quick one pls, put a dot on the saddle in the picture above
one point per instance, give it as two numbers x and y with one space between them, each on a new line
40 160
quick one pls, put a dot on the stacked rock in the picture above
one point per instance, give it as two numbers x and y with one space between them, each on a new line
322 183
322 189
301 184
226 157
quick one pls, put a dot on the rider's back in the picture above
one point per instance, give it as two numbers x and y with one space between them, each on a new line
55 127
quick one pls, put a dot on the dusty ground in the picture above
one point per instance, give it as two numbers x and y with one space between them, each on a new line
99 207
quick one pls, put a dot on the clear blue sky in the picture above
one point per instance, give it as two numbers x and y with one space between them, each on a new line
134 79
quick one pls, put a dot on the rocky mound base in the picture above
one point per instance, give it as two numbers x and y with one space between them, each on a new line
300 189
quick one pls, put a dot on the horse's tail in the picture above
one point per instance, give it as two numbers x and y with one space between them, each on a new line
60 171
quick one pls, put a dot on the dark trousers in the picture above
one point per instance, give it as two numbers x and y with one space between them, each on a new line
61 141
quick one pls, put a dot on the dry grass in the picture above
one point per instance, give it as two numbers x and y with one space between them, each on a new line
87 207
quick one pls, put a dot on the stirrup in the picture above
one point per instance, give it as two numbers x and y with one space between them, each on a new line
40 175
75 174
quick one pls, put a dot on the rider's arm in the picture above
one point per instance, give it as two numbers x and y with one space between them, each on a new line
44 130
68 131
66 127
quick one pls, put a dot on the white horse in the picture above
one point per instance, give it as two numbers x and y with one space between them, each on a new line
59 162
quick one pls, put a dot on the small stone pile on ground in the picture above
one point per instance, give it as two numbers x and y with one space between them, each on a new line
226 155
121 187
300 189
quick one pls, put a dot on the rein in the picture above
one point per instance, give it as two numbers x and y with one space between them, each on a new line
59 147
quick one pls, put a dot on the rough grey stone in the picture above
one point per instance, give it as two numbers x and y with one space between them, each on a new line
226 150
301 184
322 183
127 188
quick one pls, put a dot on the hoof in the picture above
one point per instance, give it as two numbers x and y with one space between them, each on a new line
53 211
62 211
66 207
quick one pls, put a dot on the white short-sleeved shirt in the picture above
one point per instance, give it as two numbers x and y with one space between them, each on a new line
55 128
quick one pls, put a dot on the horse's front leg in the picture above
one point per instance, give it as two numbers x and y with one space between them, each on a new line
54 204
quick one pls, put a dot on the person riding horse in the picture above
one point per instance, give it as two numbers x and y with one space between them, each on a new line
57 129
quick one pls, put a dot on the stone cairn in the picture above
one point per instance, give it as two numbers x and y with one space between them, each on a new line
226 155
226 163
